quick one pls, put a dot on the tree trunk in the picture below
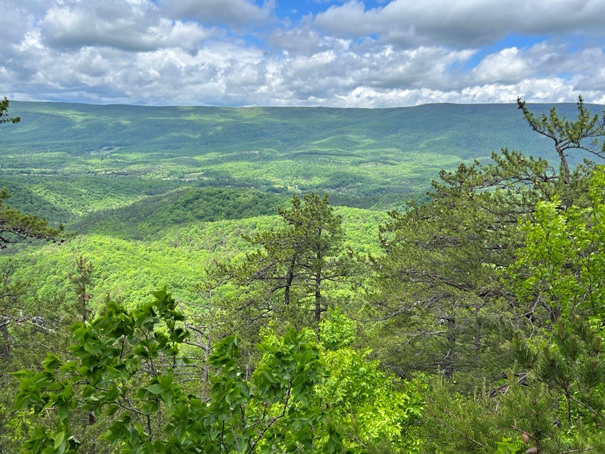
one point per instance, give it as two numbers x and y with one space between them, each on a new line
5 351
564 165
318 308
289 280
450 357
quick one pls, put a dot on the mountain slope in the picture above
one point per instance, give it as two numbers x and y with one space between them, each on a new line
364 157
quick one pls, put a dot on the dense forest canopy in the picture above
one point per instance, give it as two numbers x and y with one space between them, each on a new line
470 319
70 159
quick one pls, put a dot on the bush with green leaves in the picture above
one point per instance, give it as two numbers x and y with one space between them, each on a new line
127 384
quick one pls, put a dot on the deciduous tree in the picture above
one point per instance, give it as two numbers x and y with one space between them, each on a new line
300 398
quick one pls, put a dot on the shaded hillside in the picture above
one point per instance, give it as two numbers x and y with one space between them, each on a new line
63 199
147 217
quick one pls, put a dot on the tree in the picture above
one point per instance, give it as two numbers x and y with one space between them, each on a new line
553 399
4 118
584 134
320 235
439 283
126 371
14 225
438 289
557 273
82 280
29 328
291 267
22 330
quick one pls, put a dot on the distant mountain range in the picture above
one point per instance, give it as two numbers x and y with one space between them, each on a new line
363 157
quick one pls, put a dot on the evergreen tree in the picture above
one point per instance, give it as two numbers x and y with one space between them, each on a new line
16 226
439 283
583 134
4 118
288 274
25 331
553 398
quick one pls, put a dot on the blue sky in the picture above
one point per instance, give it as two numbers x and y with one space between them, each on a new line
338 53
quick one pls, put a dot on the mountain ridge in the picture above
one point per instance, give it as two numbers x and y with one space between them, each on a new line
366 157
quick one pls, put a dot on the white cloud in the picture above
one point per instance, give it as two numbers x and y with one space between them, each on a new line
505 66
462 22
235 52
226 12
121 24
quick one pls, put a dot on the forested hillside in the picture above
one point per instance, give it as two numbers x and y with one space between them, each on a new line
69 159
229 280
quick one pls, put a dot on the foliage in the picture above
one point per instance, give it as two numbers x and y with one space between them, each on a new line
27 332
584 134
490 284
558 275
151 215
437 284
559 268
440 278
490 419
128 270
337 330
4 118
125 375
556 400
510 446
372 412
290 269
367 158
82 280
16 226
571 362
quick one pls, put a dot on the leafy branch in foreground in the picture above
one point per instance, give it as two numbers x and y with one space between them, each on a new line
126 376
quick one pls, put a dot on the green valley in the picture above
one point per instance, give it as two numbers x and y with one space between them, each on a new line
255 280
77 158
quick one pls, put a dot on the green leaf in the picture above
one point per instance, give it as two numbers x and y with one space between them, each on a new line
59 440
156 388
51 362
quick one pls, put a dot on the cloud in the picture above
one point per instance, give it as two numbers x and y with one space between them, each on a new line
121 24
581 69
236 13
302 40
505 66
461 23
237 52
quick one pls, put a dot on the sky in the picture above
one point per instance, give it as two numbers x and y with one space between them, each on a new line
333 53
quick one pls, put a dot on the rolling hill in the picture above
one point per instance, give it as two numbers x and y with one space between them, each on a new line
73 159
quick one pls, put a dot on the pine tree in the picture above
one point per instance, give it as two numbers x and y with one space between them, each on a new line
440 283
288 273
4 118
